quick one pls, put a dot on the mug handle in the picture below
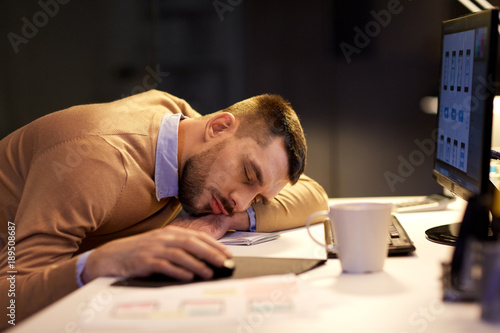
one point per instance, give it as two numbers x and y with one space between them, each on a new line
308 223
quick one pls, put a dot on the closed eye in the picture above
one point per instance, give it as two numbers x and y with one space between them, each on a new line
247 176
253 173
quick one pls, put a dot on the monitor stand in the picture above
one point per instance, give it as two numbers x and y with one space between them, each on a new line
483 228
448 234
444 234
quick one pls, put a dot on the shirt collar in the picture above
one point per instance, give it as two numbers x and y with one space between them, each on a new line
166 167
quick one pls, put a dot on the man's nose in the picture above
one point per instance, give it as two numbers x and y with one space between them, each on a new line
242 199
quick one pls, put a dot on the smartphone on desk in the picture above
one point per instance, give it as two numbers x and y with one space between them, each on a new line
429 203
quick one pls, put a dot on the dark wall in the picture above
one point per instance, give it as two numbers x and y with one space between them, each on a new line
366 132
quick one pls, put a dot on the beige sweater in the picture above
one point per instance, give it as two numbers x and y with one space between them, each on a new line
77 178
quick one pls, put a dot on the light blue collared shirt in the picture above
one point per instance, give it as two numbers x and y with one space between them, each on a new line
166 167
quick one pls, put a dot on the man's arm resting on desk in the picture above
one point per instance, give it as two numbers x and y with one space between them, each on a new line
216 225
172 251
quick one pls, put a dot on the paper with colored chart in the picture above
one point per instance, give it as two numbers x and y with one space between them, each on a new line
229 302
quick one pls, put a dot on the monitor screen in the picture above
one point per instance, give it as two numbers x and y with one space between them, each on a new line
466 92
465 110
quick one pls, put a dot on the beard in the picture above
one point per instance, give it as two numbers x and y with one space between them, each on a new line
193 182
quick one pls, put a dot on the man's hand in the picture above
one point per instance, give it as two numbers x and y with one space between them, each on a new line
216 225
172 251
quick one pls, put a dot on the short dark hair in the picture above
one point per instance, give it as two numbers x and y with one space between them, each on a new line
267 117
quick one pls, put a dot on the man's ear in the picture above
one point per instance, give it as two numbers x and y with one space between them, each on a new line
220 123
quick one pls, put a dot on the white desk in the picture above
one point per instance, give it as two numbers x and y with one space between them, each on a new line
406 297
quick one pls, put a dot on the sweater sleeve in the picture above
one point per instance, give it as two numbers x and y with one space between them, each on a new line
56 211
292 206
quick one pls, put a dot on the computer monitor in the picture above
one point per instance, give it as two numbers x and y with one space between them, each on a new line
466 92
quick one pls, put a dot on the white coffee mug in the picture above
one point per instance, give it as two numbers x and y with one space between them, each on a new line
361 234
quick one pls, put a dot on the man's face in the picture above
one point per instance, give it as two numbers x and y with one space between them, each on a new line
231 175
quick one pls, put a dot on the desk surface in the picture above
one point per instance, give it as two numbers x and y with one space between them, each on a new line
405 297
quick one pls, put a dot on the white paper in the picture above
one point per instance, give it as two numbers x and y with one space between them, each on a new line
248 238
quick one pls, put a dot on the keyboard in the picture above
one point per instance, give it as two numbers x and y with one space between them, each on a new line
429 203
399 241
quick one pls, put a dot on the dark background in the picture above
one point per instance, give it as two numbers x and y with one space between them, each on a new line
362 115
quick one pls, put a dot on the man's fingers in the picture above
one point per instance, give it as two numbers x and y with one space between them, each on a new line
201 245
173 251
177 263
196 248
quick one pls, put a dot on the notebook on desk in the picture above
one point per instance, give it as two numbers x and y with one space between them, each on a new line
399 241
245 267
